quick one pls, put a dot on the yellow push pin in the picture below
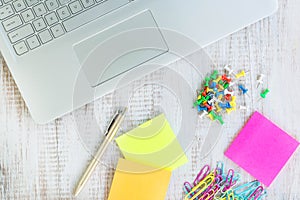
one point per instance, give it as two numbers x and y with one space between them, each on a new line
241 74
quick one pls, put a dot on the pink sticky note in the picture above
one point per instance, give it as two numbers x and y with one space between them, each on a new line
262 148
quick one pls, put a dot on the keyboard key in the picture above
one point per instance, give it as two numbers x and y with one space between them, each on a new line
39 24
31 2
6 11
75 7
57 30
20 33
33 42
39 9
93 13
51 4
63 12
87 3
45 36
21 48
51 19
19 5
27 15
64 2
12 23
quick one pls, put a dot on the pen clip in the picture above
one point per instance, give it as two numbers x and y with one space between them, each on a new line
112 122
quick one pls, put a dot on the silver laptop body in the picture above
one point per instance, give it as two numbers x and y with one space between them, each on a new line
65 53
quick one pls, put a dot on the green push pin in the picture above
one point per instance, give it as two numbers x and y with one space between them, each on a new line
217 117
214 75
264 93
226 85
207 79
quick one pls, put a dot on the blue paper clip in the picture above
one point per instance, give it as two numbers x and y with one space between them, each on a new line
246 189
256 193
220 168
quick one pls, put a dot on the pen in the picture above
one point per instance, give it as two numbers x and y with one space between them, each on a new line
109 136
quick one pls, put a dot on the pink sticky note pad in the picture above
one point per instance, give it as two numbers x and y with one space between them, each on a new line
262 148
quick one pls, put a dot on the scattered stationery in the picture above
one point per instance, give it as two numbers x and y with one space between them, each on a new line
262 148
136 181
216 184
154 144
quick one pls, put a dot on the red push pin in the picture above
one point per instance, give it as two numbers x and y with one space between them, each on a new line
227 97
225 78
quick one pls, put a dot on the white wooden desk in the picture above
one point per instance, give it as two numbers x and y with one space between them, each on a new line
44 161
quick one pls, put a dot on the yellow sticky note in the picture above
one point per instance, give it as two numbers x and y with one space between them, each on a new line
153 143
136 181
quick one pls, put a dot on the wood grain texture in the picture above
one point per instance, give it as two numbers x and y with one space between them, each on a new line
45 161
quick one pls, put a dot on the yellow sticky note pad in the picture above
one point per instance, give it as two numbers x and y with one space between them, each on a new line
154 144
136 181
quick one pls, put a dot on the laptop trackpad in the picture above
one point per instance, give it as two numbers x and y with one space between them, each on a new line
120 48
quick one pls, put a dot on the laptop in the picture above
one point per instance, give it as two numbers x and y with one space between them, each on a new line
64 54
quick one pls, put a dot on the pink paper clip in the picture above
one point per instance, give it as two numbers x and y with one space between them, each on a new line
202 174
229 180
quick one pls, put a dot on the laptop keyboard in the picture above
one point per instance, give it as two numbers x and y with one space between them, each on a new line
32 23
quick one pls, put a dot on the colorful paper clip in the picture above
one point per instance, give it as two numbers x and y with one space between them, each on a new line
217 185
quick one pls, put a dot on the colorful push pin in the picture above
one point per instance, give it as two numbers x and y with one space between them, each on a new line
203 114
207 79
220 119
264 93
225 78
218 79
225 105
241 74
244 90
210 116
260 80
218 108
226 91
213 85
229 110
211 101
214 75
227 97
201 108
243 107
233 98
229 70
226 85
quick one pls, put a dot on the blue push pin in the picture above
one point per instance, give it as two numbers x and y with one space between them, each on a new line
200 108
213 85
219 93
225 105
243 89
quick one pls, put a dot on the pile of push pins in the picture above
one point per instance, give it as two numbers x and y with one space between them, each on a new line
217 95
217 184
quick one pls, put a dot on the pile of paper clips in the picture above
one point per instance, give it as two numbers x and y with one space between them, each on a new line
217 184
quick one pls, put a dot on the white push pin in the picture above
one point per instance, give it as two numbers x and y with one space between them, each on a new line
243 107
226 91
204 112
260 80
229 70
